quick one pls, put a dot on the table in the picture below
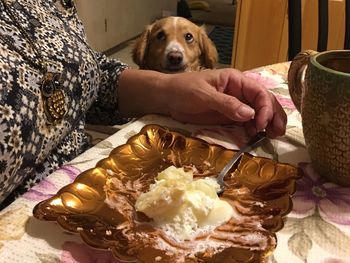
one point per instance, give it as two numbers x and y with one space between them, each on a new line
317 230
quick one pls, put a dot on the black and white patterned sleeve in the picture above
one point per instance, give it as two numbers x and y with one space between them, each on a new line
104 110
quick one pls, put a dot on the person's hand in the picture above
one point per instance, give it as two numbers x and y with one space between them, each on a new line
224 96
221 96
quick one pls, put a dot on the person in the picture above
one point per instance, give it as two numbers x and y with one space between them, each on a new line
52 83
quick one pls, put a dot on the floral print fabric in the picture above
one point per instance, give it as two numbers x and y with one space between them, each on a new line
30 149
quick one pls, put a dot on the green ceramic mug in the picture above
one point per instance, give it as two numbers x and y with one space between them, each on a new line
319 85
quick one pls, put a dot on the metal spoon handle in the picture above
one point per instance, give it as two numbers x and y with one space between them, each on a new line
247 148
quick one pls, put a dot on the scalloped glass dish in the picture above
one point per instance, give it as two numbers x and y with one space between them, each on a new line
99 204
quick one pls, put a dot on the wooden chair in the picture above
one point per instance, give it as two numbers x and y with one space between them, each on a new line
295 25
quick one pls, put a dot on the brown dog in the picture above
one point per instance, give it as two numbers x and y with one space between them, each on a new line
174 44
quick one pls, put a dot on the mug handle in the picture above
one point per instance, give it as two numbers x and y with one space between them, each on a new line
296 74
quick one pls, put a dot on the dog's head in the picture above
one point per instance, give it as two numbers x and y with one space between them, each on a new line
174 44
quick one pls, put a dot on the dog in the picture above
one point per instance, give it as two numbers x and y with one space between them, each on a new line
174 44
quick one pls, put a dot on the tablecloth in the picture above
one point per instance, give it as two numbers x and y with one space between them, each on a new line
316 230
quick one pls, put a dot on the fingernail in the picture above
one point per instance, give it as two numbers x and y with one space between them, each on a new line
263 127
245 111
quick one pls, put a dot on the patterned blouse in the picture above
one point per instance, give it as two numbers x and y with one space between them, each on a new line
30 148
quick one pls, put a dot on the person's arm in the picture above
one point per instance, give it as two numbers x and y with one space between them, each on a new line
207 97
142 92
104 110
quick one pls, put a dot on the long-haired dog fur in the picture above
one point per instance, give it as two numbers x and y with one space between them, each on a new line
174 44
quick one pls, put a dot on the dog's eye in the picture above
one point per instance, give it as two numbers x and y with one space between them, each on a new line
189 38
161 35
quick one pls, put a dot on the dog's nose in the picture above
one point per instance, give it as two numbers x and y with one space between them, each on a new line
175 57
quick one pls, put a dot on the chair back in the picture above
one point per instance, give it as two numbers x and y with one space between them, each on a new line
295 26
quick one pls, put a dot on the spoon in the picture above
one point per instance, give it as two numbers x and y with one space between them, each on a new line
252 143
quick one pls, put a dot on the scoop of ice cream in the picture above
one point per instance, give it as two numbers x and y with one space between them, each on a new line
182 206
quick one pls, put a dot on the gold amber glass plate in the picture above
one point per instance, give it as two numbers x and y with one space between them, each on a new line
99 204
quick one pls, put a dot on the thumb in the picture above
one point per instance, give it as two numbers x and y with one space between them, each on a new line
231 107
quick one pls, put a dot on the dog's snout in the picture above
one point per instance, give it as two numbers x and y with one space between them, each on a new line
175 57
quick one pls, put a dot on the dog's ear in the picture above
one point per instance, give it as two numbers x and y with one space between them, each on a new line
209 51
139 51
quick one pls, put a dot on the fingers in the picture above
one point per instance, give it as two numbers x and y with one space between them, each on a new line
277 127
263 104
250 128
272 119
265 112
270 115
227 96
231 107
210 118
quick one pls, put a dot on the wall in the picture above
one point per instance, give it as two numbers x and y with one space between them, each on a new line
112 22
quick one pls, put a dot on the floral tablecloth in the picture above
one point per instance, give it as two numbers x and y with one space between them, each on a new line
317 229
